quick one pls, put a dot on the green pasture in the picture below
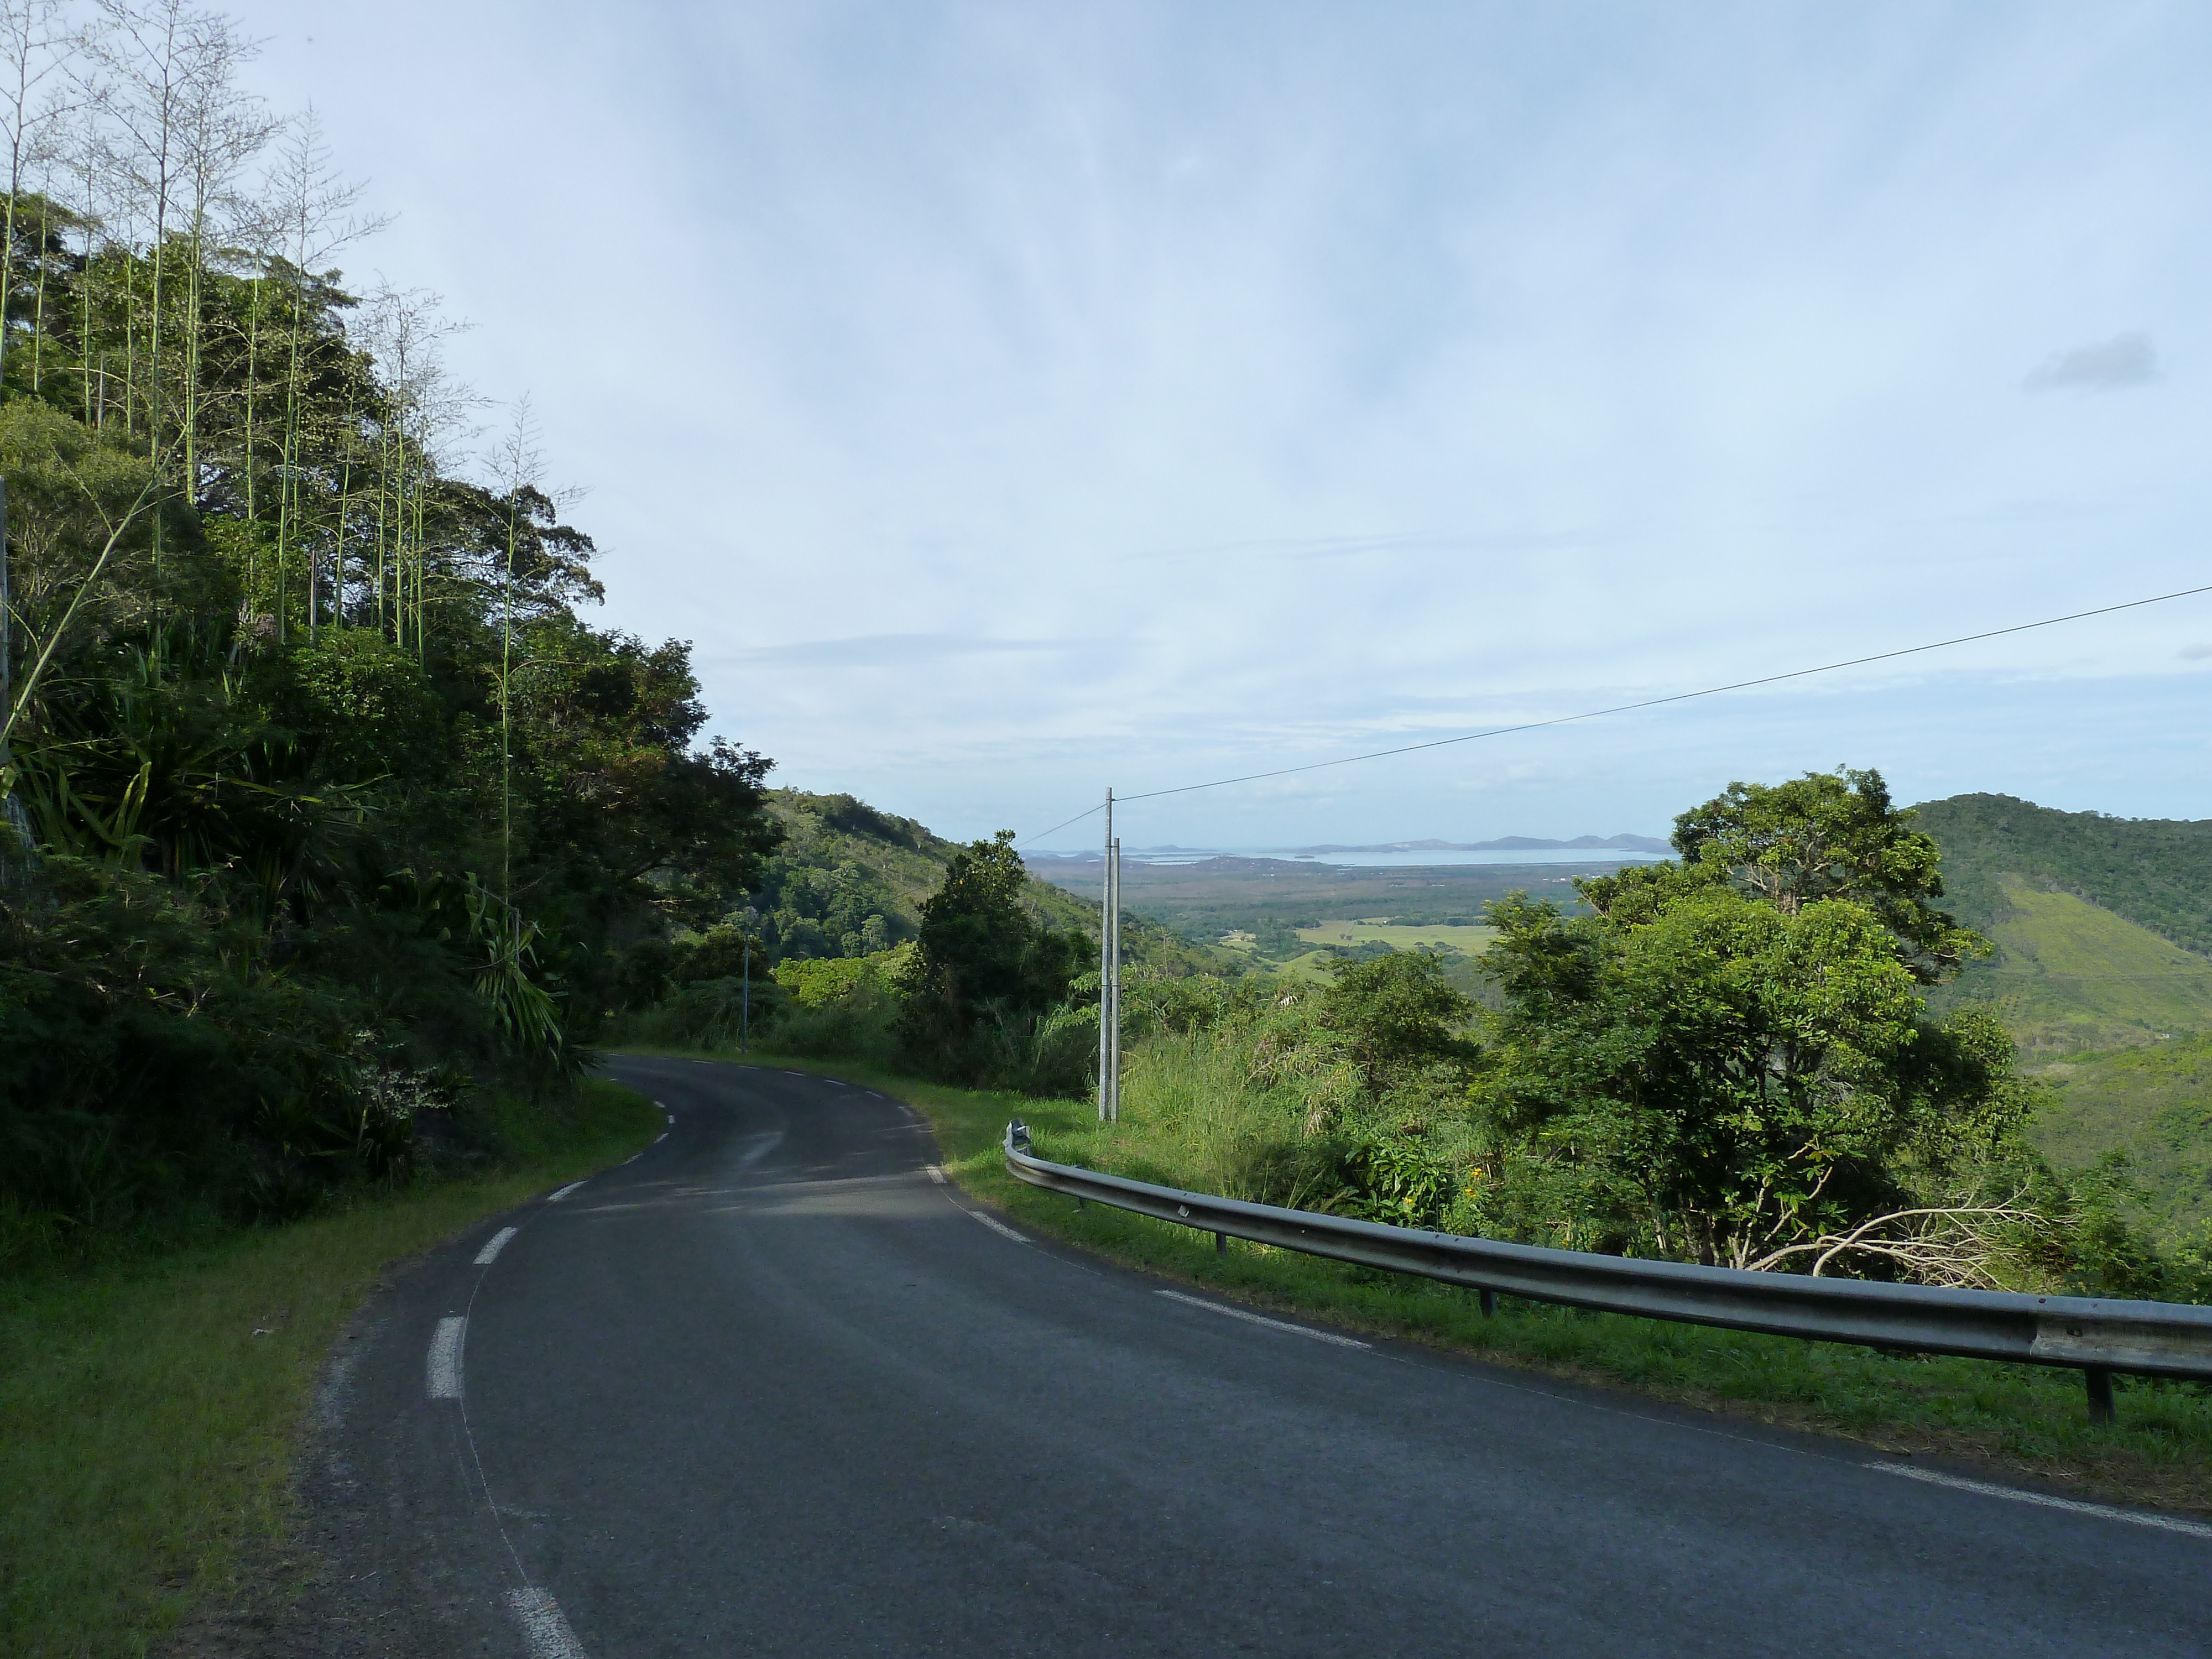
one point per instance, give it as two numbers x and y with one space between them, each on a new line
1375 930
2153 1101
2072 977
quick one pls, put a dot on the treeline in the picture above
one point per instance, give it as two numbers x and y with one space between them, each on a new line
329 819
993 990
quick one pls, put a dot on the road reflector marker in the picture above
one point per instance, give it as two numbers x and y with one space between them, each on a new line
2134 1517
555 1198
1263 1319
995 1225
543 1625
497 1243
445 1368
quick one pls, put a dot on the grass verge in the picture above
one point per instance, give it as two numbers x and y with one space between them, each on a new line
150 1406
2026 1419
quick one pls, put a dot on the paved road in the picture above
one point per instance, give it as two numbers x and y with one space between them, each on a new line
768 1388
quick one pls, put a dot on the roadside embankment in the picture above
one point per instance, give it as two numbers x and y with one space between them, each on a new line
153 1405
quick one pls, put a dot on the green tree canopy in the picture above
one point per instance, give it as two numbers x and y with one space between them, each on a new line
983 957
1827 835
1732 1057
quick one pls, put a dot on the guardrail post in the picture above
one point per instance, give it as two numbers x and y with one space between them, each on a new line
1490 1304
1221 1243
2101 1393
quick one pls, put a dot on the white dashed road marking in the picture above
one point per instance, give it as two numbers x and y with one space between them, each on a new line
446 1359
493 1246
1263 1319
2165 1522
935 1174
543 1626
996 1226
555 1198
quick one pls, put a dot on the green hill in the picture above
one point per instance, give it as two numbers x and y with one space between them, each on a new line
849 880
2156 872
2101 925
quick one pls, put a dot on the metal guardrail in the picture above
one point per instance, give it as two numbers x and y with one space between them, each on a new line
2096 1337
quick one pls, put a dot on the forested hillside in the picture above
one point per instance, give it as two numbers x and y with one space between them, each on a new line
849 880
327 810
2156 872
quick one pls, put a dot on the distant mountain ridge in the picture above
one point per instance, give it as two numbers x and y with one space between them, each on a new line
1625 843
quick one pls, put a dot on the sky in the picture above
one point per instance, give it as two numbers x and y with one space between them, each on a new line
1012 401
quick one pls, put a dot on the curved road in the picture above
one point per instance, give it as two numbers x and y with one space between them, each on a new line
771 1389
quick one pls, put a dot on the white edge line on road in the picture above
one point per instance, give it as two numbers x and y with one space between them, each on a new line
787 1072
555 1198
493 1246
2137 1517
935 1174
994 1224
662 1136
543 1625
445 1370
1263 1319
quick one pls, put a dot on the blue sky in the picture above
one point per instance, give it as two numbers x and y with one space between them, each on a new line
1010 400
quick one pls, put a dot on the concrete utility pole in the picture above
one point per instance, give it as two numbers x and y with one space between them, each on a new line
1109 998
1113 983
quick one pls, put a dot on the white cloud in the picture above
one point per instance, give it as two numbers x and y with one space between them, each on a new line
2125 360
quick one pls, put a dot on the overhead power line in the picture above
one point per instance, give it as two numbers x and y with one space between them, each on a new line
1057 828
1647 703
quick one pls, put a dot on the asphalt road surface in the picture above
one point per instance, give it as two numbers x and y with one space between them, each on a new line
770 1387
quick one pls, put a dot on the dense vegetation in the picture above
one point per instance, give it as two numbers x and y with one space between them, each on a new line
328 817
1732 1058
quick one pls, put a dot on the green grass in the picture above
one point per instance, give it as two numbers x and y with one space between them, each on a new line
2154 1102
2026 1419
2071 976
1470 939
150 1406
